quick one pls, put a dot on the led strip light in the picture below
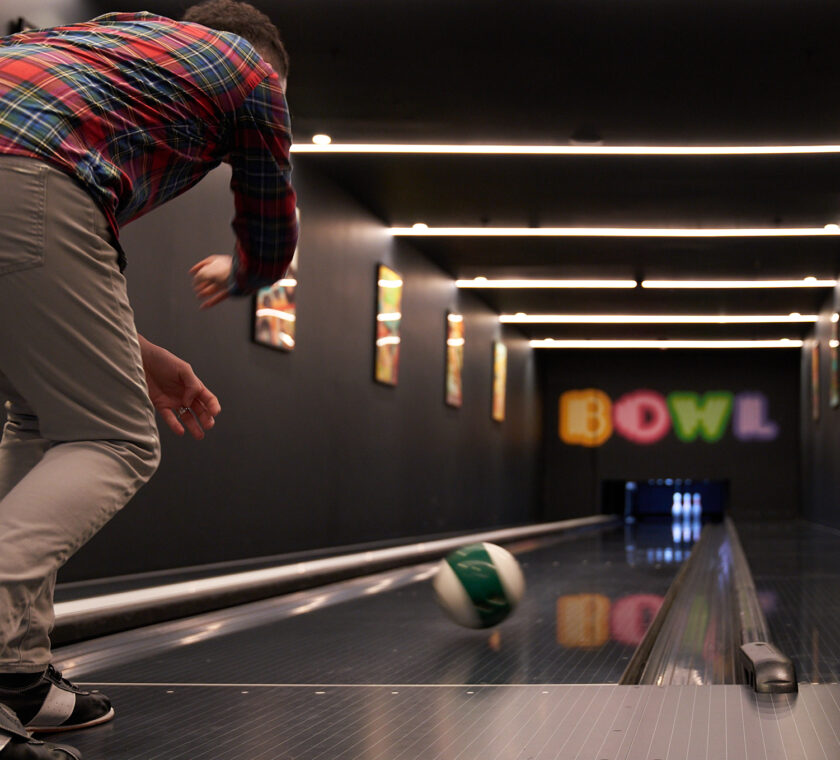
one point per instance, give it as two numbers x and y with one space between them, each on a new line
421 230
484 282
665 344
325 146
655 319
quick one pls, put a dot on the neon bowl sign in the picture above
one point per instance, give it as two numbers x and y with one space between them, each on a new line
589 417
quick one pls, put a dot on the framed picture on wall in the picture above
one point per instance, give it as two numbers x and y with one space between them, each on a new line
834 344
499 380
388 316
815 379
454 359
275 314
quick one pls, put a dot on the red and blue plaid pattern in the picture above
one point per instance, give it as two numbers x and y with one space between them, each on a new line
139 108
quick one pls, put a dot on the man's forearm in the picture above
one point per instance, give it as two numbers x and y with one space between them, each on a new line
145 346
147 350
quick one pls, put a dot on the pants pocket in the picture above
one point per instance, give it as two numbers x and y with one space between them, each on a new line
22 197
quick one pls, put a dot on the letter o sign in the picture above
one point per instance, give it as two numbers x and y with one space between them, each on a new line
642 417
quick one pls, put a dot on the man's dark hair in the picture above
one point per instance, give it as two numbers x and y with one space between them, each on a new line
246 21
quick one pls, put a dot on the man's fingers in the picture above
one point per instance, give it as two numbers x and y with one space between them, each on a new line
171 419
206 291
204 286
210 294
192 387
206 419
209 402
195 267
203 404
191 424
202 413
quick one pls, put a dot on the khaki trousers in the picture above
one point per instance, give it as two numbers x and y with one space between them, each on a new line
80 436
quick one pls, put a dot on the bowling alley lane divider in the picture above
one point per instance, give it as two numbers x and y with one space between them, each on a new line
710 628
81 619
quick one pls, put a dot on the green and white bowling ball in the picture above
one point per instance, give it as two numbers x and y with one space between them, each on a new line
479 585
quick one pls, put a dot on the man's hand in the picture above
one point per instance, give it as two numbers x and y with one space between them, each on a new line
176 392
210 279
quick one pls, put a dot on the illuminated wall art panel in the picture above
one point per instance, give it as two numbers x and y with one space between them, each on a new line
388 318
454 359
834 346
815 380
499 380
275 312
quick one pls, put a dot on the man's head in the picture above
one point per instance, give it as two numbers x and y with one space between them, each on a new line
248 22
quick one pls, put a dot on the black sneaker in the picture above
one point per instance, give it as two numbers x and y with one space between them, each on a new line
17 744
55 704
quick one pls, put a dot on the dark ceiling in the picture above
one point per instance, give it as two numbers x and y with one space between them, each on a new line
636 72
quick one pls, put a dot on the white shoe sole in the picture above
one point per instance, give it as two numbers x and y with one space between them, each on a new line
75 727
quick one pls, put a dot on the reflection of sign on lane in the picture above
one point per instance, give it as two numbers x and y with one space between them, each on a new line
583 621
631 617
588 417
588 621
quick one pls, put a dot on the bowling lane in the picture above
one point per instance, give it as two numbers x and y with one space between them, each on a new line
796 575
587 604
370 669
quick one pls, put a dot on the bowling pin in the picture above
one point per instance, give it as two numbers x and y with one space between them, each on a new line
676 507
696 507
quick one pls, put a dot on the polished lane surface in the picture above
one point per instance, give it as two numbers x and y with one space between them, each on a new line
796 568
587 604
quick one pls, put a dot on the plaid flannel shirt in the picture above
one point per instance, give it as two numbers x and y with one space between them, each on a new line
139 108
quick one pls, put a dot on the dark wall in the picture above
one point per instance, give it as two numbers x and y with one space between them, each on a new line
763 475
45 14
308 451
821 434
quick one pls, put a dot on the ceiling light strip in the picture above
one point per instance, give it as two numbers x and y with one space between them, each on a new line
632 232
807 282
643 319
665 344
567 150
483 282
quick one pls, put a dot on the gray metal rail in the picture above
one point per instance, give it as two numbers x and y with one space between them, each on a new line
764 666
710 628
695 616
95 616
